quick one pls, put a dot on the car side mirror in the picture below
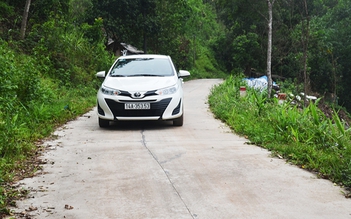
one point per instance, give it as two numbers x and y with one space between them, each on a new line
101 74
183 74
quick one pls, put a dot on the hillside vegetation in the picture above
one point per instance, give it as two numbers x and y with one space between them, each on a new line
49 57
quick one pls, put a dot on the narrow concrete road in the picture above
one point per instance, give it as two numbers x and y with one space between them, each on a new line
154 170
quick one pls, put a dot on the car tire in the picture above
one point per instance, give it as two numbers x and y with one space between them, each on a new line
103 123
179 121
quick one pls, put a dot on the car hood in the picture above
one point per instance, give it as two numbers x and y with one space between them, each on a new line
139 83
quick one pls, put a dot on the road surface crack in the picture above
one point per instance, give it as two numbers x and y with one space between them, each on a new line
143 141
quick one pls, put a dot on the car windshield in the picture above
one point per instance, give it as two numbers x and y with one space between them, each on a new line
129 67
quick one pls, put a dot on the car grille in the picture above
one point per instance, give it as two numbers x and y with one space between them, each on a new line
156 109
127 94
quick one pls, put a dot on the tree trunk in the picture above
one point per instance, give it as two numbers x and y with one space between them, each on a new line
247 71
25 18
305 39
144 43
269 49
334 71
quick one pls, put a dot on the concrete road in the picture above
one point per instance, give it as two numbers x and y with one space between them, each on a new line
154 170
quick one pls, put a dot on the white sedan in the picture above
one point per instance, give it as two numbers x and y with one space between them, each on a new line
141 87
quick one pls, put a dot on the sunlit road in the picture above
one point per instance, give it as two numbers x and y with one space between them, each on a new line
154 170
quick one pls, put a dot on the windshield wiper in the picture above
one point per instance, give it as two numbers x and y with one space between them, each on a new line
118 75
146 75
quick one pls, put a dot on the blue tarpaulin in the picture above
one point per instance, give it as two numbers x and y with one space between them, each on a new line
260 83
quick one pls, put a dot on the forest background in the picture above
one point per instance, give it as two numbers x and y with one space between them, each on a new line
49 59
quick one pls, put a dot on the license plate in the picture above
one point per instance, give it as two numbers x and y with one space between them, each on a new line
137 106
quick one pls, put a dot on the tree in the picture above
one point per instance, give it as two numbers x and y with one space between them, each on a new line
43 10
157 26
246 51
269 46
148 20
338 24
126 20
78 9
243 23
304 40
24 19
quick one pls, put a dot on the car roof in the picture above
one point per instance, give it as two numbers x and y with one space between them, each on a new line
145 56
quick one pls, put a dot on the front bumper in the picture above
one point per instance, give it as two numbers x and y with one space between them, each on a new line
165 108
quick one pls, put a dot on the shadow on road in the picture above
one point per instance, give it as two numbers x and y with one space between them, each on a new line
139 125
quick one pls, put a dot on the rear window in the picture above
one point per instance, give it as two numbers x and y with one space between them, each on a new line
126 67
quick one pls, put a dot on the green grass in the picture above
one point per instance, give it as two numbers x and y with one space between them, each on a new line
22 125
303 136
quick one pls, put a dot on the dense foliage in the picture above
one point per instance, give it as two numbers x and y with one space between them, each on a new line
179 28
321 26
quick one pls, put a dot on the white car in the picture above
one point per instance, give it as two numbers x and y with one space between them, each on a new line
141 87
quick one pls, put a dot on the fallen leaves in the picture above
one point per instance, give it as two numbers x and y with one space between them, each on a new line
68 207
32 208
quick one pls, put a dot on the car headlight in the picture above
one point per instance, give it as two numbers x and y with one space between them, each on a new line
168 90
109 91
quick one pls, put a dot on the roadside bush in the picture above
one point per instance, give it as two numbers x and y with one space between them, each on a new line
20 86
41 89
304 136
70 54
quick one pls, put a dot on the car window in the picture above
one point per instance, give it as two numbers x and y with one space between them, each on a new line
127 67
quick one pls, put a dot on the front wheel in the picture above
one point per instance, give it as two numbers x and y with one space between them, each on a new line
179 121
103 123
